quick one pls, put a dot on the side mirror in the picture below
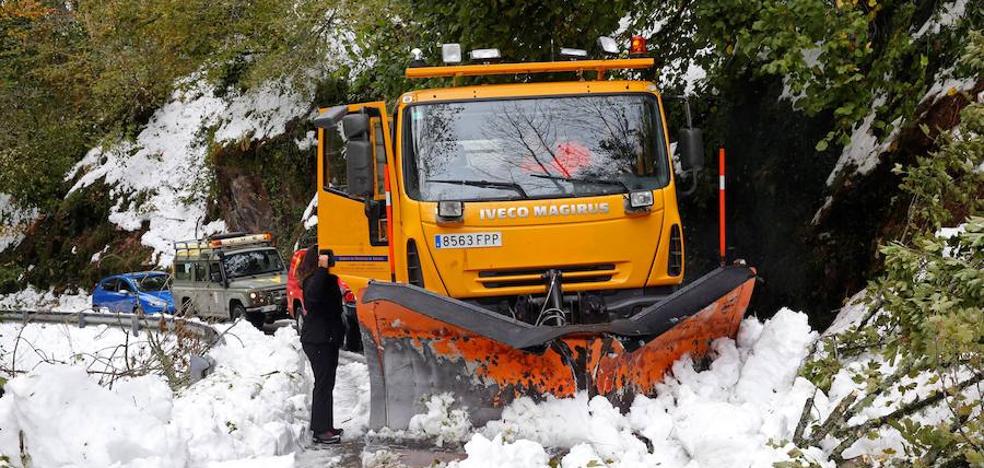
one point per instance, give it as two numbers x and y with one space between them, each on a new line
691 146
216 276
358 155
330 117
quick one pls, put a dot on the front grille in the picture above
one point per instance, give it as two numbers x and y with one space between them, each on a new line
415 274
675 265
493 279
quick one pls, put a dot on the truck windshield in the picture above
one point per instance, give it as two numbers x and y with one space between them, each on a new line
548 147
255 262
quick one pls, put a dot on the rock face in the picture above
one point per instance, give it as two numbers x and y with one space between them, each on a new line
242 201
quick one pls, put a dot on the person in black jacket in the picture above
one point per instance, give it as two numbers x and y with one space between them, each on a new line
321 336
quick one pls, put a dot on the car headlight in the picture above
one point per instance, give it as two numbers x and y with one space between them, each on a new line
156 302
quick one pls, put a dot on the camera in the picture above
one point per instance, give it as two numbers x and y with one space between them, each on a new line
330 254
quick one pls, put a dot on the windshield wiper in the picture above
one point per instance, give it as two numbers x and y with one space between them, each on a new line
483 183
589 181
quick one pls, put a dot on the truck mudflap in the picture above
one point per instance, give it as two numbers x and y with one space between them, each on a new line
418 344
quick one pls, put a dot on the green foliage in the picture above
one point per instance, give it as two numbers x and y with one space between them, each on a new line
73 73
926 306
835 58
10 274
521 30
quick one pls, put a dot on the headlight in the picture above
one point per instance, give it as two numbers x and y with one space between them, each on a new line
156 302
450 211
639 201
255 297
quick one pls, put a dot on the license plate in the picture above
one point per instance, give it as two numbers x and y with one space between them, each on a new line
468 241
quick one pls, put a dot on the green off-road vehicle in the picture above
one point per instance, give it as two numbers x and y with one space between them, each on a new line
227 276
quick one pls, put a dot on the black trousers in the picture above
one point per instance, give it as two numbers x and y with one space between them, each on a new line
324 362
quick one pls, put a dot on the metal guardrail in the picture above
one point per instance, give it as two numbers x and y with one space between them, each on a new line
199 365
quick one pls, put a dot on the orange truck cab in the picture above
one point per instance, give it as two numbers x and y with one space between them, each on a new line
574 177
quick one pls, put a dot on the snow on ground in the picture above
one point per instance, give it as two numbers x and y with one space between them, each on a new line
95 347
14 222
161 179
33 299
737 413
252 410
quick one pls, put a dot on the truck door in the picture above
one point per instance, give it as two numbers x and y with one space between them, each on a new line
217 304
352 213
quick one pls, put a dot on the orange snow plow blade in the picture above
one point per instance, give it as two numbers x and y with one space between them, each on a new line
419 344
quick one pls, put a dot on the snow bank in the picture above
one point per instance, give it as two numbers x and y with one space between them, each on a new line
739 412
483 452
14 222
252 410
161 179
68 420
96 347
442 421
33 299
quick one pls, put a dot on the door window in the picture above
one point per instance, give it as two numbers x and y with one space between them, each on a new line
335 176
200 275
215 272
110 285
379 158
183 271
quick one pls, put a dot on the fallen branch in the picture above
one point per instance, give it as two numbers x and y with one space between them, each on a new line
851 434
835 416
804 419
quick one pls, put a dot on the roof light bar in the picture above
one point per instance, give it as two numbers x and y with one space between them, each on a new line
451 53
484 54
241 240
601 66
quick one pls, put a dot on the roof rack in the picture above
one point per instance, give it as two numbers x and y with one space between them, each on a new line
192 248
202 248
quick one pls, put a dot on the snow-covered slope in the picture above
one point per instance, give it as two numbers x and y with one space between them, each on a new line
14 221
161 179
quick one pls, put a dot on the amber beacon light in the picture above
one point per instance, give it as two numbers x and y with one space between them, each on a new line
638 46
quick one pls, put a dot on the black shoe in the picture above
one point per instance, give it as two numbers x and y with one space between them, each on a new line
326 438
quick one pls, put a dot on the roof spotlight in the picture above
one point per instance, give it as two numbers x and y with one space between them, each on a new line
451 53
416 58
608 45
484 54
573 53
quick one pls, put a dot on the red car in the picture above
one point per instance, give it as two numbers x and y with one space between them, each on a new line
295 304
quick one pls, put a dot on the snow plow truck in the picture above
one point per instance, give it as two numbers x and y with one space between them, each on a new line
517 237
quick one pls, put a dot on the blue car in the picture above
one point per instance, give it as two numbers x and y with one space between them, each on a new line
120 293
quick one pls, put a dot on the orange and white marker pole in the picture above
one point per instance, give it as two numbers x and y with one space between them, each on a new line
722 241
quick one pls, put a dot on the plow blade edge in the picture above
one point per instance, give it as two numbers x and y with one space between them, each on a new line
418 343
